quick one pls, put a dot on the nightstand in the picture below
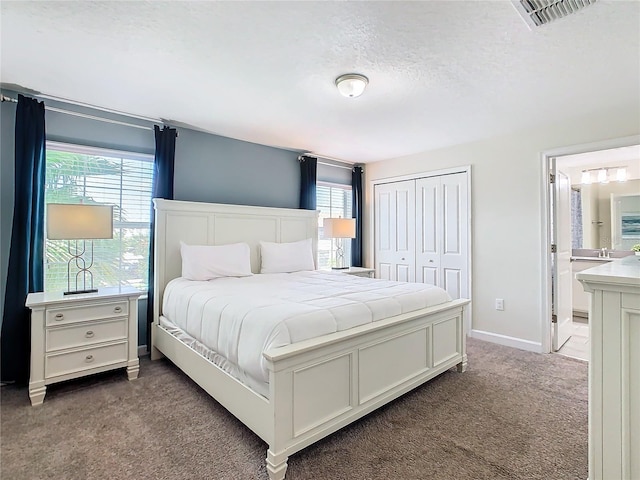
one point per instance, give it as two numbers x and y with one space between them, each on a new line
360 272
77 335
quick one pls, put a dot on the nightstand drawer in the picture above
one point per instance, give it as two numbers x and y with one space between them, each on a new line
64 363
82 313
62 337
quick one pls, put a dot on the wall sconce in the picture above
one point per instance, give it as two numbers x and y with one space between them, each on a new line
79 222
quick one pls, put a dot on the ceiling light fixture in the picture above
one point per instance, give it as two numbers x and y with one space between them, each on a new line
621 174
351 84
586 177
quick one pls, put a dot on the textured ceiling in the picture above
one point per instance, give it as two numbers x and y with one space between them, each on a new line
440 72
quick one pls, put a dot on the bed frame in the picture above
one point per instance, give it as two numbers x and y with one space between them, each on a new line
316 386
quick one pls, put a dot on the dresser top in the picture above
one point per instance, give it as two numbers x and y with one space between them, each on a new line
51 298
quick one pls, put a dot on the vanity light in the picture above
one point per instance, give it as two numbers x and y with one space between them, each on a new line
602 176
351 84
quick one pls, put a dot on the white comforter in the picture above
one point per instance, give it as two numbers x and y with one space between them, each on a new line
240 318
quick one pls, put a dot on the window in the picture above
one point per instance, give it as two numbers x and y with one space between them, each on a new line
78 174
333 201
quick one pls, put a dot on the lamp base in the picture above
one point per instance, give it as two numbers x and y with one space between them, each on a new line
74 292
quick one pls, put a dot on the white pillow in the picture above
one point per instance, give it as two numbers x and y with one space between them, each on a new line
206 262
287 257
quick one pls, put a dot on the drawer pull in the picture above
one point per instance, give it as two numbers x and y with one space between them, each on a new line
59 316
117 309
88 358
89 334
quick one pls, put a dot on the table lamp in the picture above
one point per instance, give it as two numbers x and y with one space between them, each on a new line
339 228
79 222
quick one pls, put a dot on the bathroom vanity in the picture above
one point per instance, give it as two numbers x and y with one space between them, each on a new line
614 369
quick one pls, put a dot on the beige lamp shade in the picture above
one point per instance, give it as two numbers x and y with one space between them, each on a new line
79 222
339 227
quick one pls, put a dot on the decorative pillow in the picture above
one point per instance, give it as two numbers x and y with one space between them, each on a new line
287 257
206 262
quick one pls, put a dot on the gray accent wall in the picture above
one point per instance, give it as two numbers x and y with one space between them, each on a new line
211 168
208 168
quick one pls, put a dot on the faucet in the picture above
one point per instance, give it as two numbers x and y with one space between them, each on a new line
603 253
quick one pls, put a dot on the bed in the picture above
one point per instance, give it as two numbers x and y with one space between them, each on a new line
366 365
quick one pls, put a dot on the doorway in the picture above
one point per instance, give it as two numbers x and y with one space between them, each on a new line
584 186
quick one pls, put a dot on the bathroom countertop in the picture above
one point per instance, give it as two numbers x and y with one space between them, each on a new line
592 259
624 271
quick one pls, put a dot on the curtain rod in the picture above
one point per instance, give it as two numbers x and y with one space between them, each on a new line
83 115
346 165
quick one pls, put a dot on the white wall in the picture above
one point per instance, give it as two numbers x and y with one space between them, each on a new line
506 215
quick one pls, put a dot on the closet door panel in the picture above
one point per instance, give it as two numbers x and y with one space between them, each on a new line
451 219
428 275
421 231
384 228
428 230
395 230
403 273
427 216
384 271
452 282
455 237
404 220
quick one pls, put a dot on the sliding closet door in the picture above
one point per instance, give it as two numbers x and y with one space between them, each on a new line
442 233
395 231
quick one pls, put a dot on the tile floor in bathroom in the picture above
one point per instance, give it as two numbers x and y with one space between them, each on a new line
578 345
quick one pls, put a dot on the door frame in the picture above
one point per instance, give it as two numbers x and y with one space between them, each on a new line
468 323
547 218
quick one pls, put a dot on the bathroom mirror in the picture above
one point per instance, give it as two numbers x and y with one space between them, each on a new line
606 215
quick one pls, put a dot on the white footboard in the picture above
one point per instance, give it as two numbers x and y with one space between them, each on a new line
317 387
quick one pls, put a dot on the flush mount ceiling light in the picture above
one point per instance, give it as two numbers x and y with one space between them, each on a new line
352 84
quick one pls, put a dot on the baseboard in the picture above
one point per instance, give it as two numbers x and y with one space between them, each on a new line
507 341
142 350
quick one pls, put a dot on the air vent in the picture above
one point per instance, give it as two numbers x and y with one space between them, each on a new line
540 12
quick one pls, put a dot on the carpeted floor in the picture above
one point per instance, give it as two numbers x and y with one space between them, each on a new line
512 415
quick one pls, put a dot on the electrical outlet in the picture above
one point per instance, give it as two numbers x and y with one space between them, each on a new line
499 304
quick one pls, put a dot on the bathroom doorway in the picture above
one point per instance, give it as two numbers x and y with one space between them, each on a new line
603 189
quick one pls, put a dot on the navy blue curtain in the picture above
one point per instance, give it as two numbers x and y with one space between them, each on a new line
308 174
25 272
356 210
163 168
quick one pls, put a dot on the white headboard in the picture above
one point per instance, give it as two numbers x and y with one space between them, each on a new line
198 223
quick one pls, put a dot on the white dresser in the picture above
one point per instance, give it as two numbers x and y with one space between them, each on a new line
614 369
77 335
